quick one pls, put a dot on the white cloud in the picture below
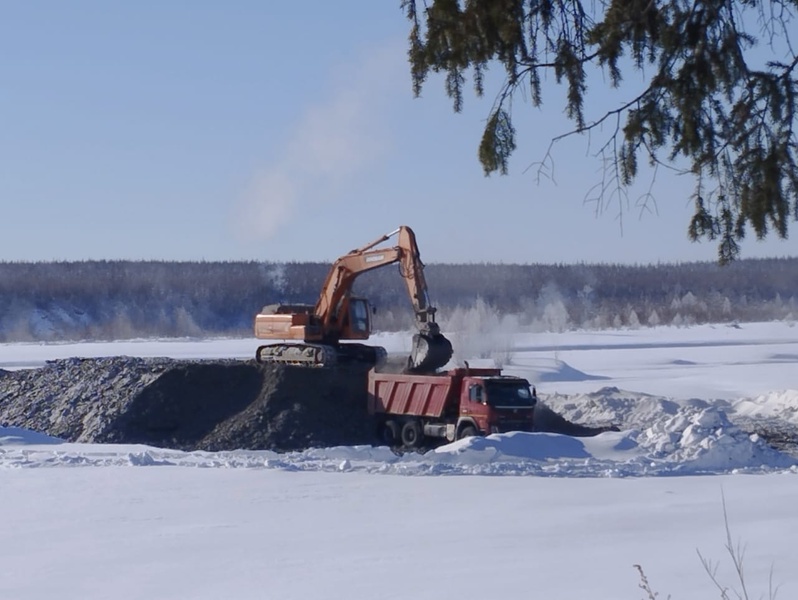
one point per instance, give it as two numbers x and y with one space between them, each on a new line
267 204
333 141
337 139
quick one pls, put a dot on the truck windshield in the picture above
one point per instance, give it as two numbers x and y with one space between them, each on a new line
508 394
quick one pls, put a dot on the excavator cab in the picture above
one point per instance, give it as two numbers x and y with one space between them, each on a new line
358 325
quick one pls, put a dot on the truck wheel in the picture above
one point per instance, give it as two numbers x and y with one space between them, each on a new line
468 431
389 432
412 434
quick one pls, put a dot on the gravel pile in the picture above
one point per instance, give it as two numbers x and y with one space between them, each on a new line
189 405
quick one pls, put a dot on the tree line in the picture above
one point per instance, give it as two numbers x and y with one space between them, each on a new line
48 301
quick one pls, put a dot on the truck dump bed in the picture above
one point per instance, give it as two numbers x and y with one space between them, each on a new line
418 395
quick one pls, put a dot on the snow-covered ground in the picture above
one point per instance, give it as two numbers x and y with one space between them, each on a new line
529 515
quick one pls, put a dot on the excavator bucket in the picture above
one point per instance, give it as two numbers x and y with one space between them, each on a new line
429 353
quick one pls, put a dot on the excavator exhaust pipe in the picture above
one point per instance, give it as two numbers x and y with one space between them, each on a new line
430 352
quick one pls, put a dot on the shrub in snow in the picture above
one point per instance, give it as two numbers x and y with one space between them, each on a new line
653 318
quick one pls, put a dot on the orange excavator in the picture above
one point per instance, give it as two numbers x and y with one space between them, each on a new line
312 334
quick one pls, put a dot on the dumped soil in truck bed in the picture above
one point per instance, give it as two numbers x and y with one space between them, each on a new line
200 405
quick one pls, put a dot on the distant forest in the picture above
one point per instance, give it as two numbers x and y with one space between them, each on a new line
125 299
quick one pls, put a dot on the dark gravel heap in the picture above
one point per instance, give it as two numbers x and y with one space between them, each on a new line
189 405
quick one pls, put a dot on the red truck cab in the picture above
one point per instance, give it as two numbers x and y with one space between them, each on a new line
451 405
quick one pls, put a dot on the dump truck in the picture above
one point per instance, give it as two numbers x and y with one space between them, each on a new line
312 334
416 410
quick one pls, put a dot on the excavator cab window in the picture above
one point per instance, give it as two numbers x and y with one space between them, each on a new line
359 315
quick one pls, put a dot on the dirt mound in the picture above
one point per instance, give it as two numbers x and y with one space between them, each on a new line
190 405
300 408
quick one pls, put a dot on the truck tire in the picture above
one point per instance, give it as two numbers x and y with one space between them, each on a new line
412 434
389 433
468 431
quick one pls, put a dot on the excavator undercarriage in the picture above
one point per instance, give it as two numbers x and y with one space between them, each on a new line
321 355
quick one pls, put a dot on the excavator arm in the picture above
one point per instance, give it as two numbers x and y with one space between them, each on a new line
338 284
430 350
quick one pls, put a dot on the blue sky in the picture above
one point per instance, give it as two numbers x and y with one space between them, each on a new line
285 131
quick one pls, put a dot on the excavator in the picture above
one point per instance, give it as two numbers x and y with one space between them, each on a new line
312 334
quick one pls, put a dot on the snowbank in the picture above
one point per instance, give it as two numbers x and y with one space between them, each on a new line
659 437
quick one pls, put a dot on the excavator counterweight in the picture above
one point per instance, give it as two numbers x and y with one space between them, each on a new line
311 335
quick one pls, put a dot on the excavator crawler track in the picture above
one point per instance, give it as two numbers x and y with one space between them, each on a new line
304 355
321 356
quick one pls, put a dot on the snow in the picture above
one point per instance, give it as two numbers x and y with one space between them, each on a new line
518 514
